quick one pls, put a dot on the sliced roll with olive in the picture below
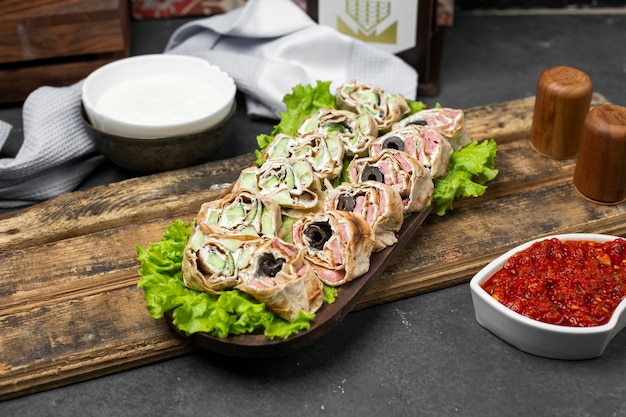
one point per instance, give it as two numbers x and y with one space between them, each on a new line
361 98
399 170
355 130
379 204
212 263
449 122
290 182
426 144
324 153
241 212
276 274
337 244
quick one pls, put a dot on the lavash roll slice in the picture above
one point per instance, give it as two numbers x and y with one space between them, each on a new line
337 244
379 204
211 262
399 170
241 212
276 274
426 144
324 153
355 130
290 182
449 122
362 98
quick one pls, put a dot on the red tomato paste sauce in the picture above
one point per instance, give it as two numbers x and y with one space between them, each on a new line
569 283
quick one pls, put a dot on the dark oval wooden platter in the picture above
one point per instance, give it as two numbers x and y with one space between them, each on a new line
327 317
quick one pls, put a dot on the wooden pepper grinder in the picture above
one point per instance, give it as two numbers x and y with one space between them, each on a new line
562 101
600 173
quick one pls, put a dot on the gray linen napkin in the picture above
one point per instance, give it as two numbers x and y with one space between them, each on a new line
267 46
57 152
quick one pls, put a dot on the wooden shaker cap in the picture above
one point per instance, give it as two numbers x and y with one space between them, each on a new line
562 101
600 173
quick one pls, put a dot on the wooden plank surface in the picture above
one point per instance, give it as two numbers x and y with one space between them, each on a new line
58 42
42 29
70 309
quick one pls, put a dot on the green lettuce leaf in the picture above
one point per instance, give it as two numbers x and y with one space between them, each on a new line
415 106
470 168
303 101
229 313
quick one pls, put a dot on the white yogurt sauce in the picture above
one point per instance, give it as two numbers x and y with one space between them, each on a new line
163 99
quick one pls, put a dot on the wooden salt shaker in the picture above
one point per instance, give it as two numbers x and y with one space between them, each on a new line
562 101
600 173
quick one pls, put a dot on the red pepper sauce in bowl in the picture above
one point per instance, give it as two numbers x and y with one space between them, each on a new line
575 283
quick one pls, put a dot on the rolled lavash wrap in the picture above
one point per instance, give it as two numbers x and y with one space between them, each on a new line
449 122
241 212
324 153
211 262
337 244
379 204
277 275
427 145
355 130
290 182
269 269
362 98
399 170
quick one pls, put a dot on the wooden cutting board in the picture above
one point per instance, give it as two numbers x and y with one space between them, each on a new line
70 309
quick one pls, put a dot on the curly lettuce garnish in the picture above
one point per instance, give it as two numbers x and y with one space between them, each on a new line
229 313
469 169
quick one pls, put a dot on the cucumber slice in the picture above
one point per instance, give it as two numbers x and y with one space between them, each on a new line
249 230
197 240
302 152
267 222
333 128
244 258
213 217
215 261
363 122
248 181
334 148
321 157
231 263
231 245
233 215
311 124
278 148
370 97
252 214
290 179
303 171
282 197
269 183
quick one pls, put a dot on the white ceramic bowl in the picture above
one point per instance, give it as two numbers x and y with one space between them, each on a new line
535 337
156 96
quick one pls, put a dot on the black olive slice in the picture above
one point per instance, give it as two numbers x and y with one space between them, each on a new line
346 202
393 142
418 123
372 173
317 234
269 265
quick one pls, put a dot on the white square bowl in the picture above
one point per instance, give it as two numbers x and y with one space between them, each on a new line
535 337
